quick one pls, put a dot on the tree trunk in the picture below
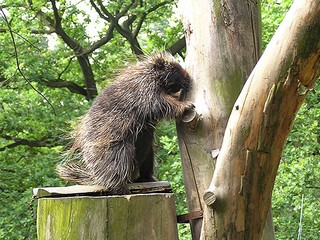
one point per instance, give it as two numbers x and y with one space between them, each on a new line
223 46
240 192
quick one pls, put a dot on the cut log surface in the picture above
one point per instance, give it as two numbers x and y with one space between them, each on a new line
77 212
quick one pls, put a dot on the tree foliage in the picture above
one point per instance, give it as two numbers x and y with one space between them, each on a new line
68 52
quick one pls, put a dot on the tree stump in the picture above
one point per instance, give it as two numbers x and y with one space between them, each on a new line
84 212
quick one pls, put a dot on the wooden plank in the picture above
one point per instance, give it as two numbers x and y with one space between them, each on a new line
145 187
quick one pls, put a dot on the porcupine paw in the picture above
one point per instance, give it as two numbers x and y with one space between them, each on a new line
189 106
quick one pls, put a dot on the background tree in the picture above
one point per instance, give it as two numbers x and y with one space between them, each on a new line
32 136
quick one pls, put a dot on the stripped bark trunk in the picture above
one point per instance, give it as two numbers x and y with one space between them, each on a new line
240 192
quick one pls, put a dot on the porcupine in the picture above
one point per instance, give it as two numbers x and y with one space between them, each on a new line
113 144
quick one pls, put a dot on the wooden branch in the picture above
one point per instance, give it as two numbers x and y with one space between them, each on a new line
144 16
125 10
16 55
155 7
26 142
66 68
34 31
82 57
72 87
105 39
126 33
3 6
139 25
105 11
127 24
72 43
21 36
55 24
56 14
94 5
259 124
125 29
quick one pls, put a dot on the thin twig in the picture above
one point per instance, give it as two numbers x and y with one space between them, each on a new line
31 44
65 69
17 61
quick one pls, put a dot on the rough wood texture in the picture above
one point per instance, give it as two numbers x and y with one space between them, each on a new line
141 216
143 187
223 46
259 124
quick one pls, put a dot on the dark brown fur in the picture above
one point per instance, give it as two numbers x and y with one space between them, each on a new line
113 143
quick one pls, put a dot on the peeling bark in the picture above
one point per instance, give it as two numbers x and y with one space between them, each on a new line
259 124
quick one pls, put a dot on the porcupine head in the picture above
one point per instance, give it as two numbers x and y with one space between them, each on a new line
112 145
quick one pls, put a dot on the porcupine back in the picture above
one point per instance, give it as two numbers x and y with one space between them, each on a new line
113 143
